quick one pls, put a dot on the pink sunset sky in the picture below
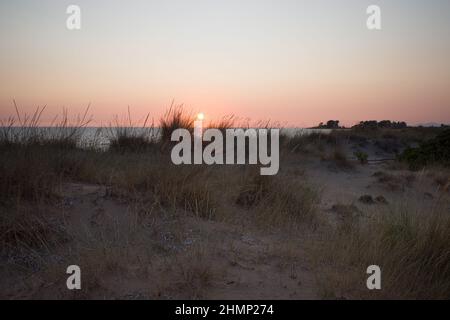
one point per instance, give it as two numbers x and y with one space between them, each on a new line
295 62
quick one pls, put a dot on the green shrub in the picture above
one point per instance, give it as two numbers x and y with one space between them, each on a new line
434 151
361 156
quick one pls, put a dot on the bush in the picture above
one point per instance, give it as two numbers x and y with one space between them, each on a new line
434 151
361 156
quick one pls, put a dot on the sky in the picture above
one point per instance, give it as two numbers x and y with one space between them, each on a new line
296 62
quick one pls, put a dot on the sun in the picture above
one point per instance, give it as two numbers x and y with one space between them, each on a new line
200 116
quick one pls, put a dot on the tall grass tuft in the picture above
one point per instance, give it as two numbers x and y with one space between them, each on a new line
408 242
279 201
175 118
127 136
34 158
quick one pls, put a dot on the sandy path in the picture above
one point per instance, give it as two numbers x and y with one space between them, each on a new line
247 264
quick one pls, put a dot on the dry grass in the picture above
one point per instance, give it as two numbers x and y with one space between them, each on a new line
227 122
338 159
313 143
35 159
394 182
25 130
29 229
440 177
144 239
409 243
127 136
176 117
193 272
278 201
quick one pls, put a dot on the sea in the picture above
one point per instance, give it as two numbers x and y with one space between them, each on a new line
99 137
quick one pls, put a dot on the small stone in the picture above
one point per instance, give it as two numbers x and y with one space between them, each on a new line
366 199
428 195
381 199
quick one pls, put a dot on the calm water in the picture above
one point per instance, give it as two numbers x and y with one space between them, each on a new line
100 136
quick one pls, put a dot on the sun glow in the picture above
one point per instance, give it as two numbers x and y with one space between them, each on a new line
200 116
